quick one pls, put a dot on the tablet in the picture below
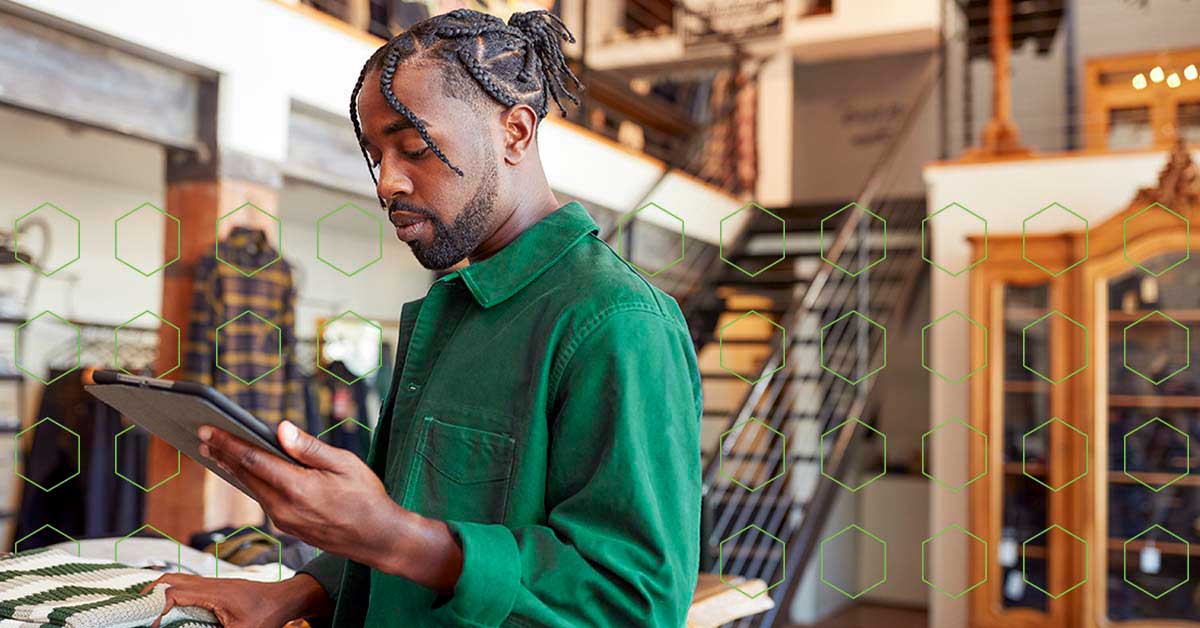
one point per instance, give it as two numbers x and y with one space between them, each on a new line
174 410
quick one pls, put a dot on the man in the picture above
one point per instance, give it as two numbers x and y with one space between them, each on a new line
537 457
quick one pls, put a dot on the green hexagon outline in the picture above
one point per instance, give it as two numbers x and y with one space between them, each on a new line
943 377
341 423
721 561
17 348
78 547
1086 562
1187 226
1187 564
967 590
782 238
17 238
1187 443
1087 351
278 239
17 455
178 343
116 465
1086 229
1187 351
621 240
782 347
925 256
821 454
870 373
117 239
1086 455
217 549
782 455
378 225
178 545
821 239
821 561
970 427
217 345
321 334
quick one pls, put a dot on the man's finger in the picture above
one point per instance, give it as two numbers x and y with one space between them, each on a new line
248 462
307 449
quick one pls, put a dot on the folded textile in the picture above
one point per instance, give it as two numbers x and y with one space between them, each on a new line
50 587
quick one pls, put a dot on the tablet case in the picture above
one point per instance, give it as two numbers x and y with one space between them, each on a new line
175 417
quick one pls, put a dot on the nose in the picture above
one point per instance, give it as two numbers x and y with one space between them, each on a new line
393 181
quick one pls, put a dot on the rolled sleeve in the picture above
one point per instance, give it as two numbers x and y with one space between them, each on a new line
491 575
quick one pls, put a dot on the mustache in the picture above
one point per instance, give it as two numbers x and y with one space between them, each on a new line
399 206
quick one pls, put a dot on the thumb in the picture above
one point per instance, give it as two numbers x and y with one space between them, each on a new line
306 449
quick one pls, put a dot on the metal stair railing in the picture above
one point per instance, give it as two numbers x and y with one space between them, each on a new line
775 394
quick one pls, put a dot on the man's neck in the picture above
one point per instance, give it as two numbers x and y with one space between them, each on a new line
528 212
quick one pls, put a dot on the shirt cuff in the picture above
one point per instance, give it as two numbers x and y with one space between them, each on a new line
491 575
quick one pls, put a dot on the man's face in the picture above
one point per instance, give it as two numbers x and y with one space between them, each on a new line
443 217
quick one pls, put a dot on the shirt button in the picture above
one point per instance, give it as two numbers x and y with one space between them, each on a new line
413 388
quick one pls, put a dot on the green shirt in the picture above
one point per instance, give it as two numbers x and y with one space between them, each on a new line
546 405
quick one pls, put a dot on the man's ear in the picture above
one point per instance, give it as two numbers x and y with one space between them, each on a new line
520 131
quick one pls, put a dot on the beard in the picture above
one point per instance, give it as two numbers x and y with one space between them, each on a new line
453 243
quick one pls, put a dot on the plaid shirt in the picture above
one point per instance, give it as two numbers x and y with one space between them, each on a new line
241 339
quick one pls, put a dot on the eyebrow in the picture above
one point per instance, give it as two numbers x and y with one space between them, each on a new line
400 124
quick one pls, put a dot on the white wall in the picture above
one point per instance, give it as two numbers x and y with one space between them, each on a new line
1004 193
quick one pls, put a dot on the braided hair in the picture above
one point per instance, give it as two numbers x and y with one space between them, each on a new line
518 62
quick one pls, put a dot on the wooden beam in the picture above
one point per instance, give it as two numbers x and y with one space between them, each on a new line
94 84
1000 136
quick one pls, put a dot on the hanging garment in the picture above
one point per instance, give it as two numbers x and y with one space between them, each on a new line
96 502
241 339
53 588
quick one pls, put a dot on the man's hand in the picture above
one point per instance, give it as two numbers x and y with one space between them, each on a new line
246 603
338 504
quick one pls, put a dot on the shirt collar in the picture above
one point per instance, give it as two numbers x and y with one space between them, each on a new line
513 267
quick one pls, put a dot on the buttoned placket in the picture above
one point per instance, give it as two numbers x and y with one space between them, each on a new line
440 313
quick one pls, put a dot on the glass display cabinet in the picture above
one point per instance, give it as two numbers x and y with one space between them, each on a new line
1092 403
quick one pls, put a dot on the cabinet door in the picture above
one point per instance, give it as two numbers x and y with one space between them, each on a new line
1013 507
1149 412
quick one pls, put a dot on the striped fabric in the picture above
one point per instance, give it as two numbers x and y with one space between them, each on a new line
48 588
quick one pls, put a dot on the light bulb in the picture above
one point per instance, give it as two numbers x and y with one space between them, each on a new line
1139 81
1157 74
1190 73
1173 80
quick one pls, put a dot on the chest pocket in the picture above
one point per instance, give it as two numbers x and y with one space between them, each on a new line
460 473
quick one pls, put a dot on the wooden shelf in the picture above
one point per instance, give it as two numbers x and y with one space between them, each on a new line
1036 468
1153 477
1183 316
1154 401
1017 313
1035 551
1173 548
1026 386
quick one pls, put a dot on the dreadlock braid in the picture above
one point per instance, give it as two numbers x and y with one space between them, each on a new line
519 62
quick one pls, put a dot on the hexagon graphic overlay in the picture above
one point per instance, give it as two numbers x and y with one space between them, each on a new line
1078 580
144 267
1066 430
972 433
855 423
831 544
352 262
956 213
625 224
1053 214
840 357
1154 432
1183 223
828 240
753 436
766 215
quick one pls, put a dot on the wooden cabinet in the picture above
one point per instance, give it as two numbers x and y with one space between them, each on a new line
1091 401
